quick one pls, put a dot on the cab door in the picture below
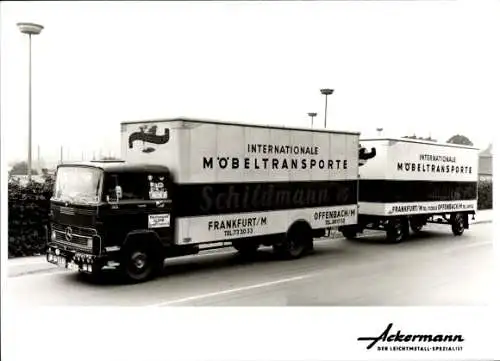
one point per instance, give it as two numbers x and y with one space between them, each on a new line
145 205
159 209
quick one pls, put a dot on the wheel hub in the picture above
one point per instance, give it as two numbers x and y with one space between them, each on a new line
139 260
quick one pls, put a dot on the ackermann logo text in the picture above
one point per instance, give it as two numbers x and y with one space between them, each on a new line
414 341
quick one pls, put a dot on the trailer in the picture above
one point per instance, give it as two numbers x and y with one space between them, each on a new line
188 185
405 184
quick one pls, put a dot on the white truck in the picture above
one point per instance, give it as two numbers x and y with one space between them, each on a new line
187 185
406 183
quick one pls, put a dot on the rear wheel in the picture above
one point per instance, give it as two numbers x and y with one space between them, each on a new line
297 243
458 224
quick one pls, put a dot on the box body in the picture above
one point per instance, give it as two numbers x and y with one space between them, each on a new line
414 177
237 180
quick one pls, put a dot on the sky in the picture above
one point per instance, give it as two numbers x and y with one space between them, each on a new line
424 67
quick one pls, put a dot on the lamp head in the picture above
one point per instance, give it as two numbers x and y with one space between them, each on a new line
30 28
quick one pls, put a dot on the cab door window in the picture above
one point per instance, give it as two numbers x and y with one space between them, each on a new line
134 186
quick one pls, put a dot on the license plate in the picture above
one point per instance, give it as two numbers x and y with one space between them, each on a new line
73 266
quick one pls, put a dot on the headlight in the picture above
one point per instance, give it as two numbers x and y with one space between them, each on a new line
90 242
53 235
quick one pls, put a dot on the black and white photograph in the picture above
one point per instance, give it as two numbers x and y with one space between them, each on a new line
238 158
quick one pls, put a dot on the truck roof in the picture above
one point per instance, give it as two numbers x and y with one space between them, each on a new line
410 140
119 166
208 121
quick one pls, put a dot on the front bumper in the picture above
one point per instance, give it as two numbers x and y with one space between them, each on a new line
72 259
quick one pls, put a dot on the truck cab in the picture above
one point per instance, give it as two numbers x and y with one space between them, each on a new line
111 215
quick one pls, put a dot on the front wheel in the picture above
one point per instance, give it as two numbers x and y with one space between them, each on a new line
397 230
417 223
458 224
140 264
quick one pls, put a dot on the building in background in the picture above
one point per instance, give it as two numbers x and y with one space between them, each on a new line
486 164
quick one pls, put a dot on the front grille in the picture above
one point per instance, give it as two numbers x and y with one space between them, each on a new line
81 238
81 231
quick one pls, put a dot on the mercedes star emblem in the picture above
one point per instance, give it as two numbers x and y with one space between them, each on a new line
69 234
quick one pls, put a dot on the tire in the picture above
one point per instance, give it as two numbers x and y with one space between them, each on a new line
297 243
416 228
140 263
458 224
397 230
246 249
416 225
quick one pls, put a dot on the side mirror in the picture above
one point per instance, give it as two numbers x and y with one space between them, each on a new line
118 192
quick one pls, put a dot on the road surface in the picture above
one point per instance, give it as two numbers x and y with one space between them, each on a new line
434 268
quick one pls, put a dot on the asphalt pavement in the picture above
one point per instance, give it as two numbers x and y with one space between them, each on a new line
433 268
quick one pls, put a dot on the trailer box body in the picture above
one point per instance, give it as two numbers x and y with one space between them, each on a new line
407 177
237 180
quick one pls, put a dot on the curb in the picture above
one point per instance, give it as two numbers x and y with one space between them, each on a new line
481 222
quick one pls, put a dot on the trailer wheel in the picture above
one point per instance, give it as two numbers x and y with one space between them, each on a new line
349 233
140 263
298 241
458 224
246 249
397 230
416 224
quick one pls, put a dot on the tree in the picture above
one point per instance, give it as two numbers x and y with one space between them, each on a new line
460 139
21 168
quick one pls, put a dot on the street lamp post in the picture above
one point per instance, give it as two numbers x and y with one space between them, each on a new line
312 115
326 93
29 29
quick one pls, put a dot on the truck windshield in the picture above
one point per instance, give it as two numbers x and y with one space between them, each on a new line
78 185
